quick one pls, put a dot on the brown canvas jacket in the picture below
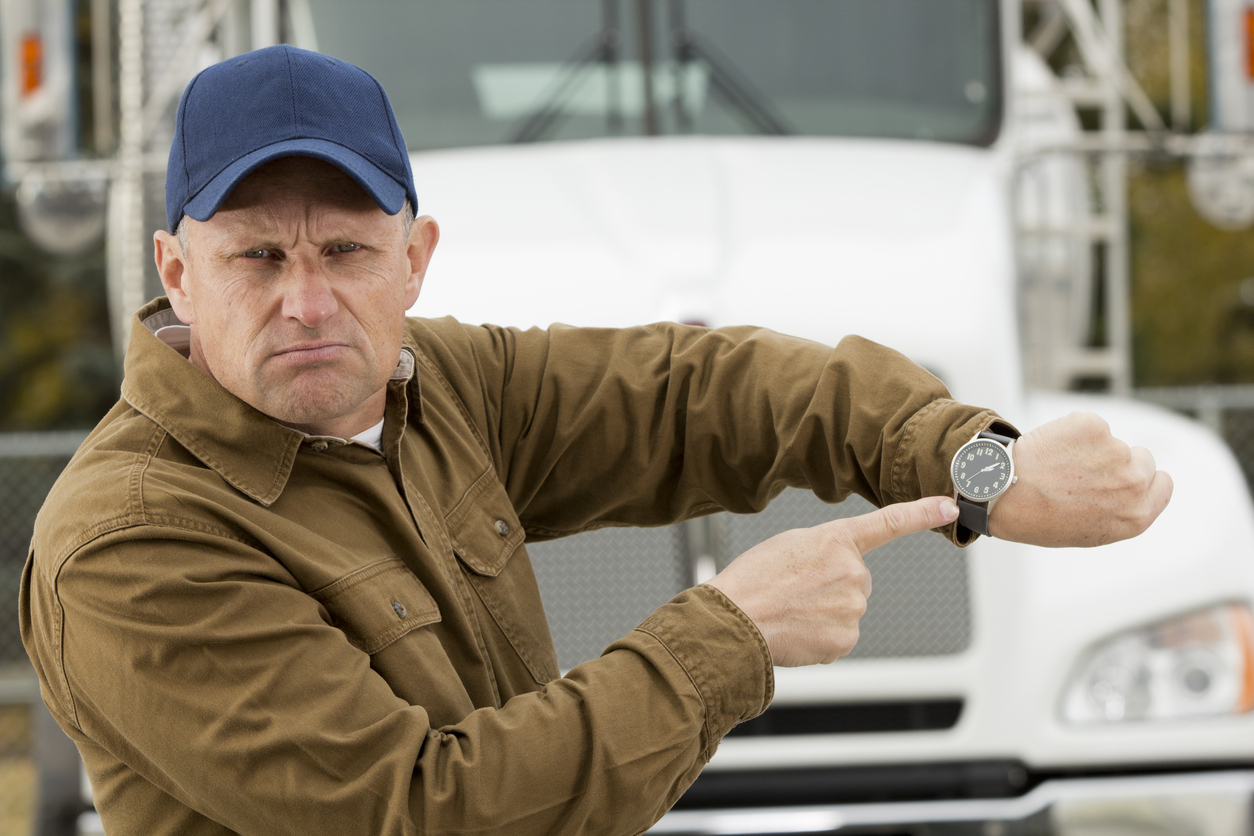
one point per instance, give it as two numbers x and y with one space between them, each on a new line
248 630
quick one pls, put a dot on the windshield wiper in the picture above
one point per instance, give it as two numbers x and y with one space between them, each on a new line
603 49
728 85
732 88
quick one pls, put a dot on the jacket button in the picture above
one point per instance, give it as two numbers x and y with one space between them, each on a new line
502 528
399 608
320 446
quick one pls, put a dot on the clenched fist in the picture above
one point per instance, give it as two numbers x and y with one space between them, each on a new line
1079 486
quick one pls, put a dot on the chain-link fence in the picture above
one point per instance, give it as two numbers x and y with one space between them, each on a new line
29 464
1228 410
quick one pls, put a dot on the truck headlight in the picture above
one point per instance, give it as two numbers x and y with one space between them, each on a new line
1196 665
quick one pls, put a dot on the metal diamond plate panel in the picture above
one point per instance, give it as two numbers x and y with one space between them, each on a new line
598 586
919 605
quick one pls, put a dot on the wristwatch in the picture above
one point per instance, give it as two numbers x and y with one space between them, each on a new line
982 470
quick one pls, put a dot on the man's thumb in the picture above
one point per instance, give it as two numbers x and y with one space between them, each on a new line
870 531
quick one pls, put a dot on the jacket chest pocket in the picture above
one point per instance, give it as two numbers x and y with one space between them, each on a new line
378 604
488 539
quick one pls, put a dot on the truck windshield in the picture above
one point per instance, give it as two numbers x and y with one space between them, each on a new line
480 72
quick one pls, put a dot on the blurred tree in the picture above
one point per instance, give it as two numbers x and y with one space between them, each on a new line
1192 285
57 366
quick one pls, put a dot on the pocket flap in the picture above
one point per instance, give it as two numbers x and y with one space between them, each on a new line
484 528
377 604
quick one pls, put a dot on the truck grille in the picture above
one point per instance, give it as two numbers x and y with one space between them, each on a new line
853 718
919 604
598 586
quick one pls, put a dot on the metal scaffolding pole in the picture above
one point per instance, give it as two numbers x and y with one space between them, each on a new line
1178 48
125 246
1096 27
1115 199
102 75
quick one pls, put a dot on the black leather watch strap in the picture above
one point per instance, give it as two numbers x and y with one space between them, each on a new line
973 515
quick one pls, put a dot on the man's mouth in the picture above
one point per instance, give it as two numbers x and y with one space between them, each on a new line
312 351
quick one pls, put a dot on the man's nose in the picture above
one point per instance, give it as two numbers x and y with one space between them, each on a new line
308 297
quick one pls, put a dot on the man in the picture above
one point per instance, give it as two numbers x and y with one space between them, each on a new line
282 587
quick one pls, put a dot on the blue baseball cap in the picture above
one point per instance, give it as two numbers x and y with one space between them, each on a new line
283 102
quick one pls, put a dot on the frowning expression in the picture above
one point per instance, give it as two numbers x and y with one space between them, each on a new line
296 292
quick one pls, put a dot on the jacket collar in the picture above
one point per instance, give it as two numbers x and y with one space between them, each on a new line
246 447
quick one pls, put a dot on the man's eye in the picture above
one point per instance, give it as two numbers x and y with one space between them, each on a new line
347 248
259 253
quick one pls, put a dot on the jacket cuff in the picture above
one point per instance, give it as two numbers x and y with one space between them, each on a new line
722 652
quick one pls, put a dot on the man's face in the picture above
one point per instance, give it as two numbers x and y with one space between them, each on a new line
296 291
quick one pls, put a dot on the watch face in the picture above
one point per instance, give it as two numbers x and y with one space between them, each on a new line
981 470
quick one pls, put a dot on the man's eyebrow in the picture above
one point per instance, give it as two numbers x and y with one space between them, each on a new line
250 238
240 225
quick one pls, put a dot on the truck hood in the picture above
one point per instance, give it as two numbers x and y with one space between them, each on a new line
906 243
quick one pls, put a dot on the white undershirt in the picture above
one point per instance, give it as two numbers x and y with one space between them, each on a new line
372 437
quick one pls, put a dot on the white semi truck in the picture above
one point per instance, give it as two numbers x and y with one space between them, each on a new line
826 167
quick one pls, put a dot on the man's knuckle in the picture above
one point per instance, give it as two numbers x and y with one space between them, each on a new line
860 574
850 640
848 573
859 607
894 518
1137 486
1143 519
1093 422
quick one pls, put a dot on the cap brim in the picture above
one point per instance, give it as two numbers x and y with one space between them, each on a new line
385 191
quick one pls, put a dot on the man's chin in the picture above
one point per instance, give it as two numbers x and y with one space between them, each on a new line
314 403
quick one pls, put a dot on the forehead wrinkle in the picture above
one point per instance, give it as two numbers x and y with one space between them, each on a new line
230 229
259 218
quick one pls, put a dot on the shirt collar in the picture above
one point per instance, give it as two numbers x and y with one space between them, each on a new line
246 447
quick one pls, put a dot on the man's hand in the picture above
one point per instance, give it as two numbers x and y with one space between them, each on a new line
807 588
1079 486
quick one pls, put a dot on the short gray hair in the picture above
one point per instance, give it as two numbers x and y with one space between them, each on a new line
406 213
180 232
407 217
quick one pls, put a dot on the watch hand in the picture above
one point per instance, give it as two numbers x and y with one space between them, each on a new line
991 466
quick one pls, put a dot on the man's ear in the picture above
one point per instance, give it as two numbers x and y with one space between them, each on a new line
172 265
423 236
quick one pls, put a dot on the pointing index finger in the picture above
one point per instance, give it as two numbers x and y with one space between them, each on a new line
870 531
